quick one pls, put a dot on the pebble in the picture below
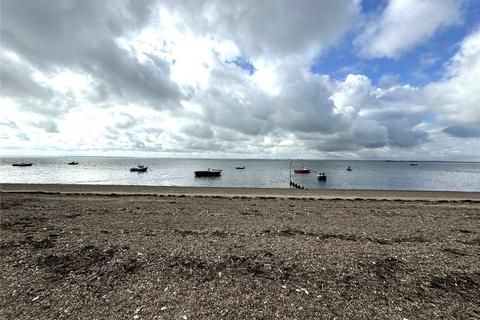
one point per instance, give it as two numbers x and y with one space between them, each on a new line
302 290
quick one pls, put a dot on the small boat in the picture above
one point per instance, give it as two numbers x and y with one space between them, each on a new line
139 168
208 173
302 170
22 164
240 167
349 168
73 163
414 164
322 176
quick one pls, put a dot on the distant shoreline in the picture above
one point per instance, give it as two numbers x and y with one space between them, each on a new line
242 192
232 159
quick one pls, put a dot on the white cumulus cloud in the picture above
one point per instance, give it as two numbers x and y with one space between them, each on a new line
456 98
405 24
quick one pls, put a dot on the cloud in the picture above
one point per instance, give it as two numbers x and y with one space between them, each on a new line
277 28
92 39
395 111
362 133
226 78
49 126
388 80
198 130
127 122
463 131
17 81
455 98
404 24
23 137
329 115
9 124
83 36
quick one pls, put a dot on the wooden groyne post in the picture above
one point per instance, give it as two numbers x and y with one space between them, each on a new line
296 185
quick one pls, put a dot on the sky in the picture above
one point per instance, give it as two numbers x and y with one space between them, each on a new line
319 79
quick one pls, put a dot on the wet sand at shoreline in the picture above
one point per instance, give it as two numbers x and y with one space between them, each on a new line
115 252
248 192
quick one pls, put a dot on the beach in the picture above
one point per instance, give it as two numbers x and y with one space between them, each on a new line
138 252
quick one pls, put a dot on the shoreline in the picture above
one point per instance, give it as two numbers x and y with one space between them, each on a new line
348 194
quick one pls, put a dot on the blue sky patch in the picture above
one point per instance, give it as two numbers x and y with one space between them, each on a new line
243 63
418 66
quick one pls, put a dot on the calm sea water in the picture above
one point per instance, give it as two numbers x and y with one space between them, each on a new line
447 176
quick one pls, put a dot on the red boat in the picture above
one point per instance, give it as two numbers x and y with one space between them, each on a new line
302 170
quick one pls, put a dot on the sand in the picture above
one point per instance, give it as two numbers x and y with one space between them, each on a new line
111 252
248 192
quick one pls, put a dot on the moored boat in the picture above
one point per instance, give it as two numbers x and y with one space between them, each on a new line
73 163
240 167
414 164
322 176
302 170
349 168
139 168
22 164
208 173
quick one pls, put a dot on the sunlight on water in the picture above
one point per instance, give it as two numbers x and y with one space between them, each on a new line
447 176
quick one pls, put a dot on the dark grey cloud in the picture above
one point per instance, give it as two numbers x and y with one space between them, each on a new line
401 126
16 81
402 134
463 131
117 72
361 134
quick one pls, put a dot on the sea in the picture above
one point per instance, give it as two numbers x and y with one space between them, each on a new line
373 175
